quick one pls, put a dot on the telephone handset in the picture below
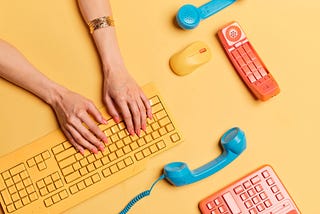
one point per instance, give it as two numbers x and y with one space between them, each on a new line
179 174
233 143
189 16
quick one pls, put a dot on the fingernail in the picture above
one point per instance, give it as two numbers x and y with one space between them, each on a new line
101 147
104 121
138 132
81 152
105 140
116 119
94 150
144 127
131 132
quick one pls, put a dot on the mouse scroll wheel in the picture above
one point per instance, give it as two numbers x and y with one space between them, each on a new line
202 50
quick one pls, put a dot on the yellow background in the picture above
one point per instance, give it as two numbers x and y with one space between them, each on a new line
282 132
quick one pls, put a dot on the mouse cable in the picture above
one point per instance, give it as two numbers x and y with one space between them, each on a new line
140 196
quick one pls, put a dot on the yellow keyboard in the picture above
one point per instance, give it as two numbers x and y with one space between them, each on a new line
50 176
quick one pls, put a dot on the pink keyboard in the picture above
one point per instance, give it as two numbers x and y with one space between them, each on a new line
261 191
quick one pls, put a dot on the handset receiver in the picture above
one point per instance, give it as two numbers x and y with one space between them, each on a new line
233 143
189 16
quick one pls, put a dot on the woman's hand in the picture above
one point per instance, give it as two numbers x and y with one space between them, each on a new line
77 117
125 100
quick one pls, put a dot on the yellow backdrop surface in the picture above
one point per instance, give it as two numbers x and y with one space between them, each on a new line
281 132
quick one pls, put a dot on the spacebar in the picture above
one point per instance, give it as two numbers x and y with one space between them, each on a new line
231 203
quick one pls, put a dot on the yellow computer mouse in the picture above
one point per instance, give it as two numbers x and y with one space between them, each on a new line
187 60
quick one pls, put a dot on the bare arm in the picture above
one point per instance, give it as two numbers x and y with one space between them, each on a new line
72 110
121 95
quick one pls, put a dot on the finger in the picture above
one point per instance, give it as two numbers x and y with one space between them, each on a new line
143 115
112 109
86 133
81 140
126 115
77 146
92 110
135 112
147 105
94 130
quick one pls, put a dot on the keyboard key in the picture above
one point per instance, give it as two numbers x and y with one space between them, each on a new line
38 158
218 201
25 201
161 144
73 176
45 155
248 204
260 207
256 199
209 206
15 170
253 211
270 181
175 137
57 149
251 192
73 189
128 161
31 162
9 182
106 172
267 203
48 202
255 180
247 184
232 204
238 189
65 154
274 189
279 196
139 156
68 161
6 197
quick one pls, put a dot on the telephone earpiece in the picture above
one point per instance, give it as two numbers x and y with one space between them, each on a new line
189 16
233 143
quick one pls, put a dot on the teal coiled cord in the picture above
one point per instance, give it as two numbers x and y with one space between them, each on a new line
140 196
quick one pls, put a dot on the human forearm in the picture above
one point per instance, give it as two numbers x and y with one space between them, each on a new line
122 96
15 68
72 110
105 38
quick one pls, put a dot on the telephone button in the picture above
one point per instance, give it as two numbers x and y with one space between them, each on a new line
247 184
255 180
238 189
265 174
218 201
231 203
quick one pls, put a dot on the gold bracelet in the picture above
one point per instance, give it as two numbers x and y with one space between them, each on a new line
100 22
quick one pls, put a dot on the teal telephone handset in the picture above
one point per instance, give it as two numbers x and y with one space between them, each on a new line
178 173
233 143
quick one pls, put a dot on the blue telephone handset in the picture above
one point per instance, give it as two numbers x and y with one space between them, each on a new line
189 16
233 143
179 174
